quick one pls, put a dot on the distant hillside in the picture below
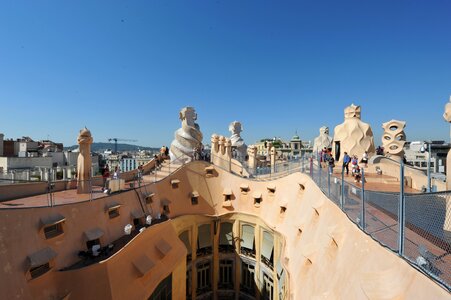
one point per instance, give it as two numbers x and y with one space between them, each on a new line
100 147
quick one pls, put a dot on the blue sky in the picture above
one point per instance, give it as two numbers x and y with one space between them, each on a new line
125 68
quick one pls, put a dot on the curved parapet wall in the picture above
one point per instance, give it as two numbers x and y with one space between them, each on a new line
324 253
417 179
188 138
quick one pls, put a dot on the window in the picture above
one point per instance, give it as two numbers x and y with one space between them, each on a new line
149 198
247 241
188 283
244 188
39 270
184 237
175 183
209 171
225 274
113 213
267 249
194 198
203 277
247 278
52 225
163 291
226 238
39 262
268 287
204 244
257 199
53 230
271 189
227 193
282 290
166 210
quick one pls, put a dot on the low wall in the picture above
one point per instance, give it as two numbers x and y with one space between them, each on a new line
22 190
391 168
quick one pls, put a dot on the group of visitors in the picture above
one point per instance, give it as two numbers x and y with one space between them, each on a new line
106 175
356 171
327 160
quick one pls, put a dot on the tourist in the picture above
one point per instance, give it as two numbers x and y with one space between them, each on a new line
357 175
365 159
346 161
139 175
105 176
354 162
379 150
117 172
331 164
166 151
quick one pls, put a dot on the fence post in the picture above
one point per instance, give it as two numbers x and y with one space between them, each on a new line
90 188
319 175
328 183
363 201
342 199
401 212
311 167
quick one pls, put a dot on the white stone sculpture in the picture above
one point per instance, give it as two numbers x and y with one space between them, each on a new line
353 136
323 140
187 139
84 162
393 139
237 142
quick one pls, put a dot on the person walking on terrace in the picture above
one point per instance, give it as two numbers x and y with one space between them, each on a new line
105 176
346 161
331 164
117 172
365 159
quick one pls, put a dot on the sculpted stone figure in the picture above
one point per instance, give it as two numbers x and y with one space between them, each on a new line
323 140
353 136
187 139
237 142
393 139
84 161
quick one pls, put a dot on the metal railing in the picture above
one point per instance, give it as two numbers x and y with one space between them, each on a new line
261 172
412 225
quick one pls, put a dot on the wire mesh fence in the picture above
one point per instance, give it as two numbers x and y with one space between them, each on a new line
425 237
428 233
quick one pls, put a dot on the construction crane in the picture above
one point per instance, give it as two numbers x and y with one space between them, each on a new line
121 140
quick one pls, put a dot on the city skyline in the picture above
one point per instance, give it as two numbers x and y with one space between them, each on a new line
125 70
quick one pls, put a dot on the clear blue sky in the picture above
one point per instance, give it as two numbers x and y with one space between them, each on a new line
125 68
